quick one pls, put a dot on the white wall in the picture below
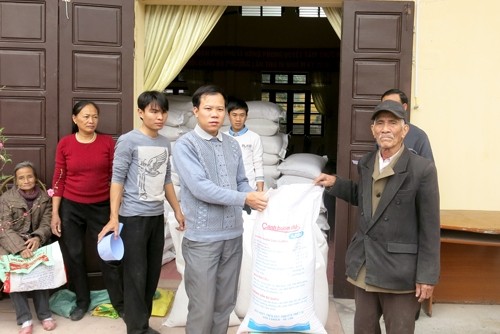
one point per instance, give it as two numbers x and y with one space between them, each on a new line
456 92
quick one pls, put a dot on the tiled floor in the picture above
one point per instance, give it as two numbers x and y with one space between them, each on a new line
447 318
170 279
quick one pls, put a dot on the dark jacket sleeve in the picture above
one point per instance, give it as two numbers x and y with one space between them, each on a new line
344 189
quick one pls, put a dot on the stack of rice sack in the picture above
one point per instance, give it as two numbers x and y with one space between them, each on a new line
180 120
304 168
263 119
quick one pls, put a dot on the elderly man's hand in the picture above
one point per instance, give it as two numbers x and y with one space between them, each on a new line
325 180
423 291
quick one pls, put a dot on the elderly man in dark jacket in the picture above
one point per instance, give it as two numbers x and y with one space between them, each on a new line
393 258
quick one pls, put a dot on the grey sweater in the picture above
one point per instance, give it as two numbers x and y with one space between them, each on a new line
213 185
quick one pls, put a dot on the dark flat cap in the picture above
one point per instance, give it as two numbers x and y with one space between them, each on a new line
393 107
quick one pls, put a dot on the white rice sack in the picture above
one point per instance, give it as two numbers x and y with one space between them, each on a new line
174 132
175 118
177 316
191 120
270 159
168 245
283 263
168 256
303 164
176 180
227 122
321 302
245 283
263 127
322 221
293 179
272 144
284 147
271 171
180 103
264 109
269 182
180 108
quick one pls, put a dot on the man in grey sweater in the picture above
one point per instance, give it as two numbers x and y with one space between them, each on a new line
140 184
214 190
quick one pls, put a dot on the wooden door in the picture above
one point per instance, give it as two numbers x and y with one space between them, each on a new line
376 55
96 49
96 61
28 83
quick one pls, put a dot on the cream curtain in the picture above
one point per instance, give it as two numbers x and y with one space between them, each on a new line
334 15
173 34
321 90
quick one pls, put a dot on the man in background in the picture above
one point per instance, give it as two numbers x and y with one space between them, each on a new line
416 140
250 142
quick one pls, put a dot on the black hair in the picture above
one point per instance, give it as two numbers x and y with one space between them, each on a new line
207 90
76 110
152 96
234 103
402 95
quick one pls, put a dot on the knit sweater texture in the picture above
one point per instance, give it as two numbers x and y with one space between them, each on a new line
82 172
213 185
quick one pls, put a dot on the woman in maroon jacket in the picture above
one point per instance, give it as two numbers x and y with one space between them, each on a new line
81 184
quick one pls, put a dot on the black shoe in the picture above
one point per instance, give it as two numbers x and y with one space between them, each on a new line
152 331
77 314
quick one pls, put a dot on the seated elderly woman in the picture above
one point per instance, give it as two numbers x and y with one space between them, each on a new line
25 213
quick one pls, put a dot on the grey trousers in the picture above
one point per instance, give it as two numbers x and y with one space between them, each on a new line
398 311
22 307
211 279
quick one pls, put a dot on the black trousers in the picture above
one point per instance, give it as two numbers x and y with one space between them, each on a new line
143 238
76 219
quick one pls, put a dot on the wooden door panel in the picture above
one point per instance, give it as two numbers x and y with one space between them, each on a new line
28 83
106 26
96 54
99 73
360 117
96 63
376 50
372 74
22 21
